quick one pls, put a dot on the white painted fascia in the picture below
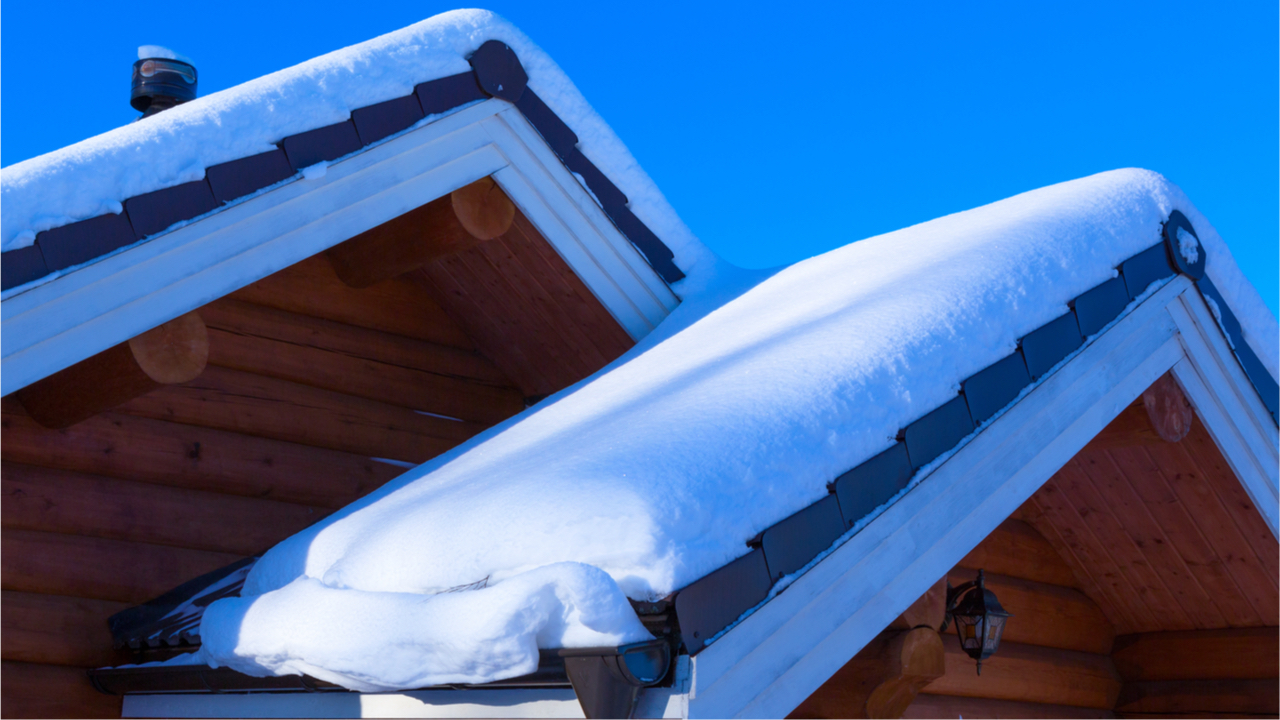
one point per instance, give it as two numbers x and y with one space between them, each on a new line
780 654
1228 405
70 318
443 703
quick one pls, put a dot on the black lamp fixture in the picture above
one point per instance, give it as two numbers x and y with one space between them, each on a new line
978 617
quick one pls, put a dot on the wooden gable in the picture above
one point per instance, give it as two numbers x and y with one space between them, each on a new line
1142 581
314 394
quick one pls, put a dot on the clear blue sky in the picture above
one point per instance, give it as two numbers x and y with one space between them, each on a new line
776 131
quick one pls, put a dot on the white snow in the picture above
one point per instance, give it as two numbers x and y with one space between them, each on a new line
734 414
315 172
1188 246
377 641
159 51
94 176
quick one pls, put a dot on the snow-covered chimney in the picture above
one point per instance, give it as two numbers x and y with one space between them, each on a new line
161 80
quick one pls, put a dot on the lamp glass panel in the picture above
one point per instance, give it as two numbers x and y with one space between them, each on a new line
994 629
969 628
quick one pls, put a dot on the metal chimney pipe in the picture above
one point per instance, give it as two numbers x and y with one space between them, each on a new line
161 83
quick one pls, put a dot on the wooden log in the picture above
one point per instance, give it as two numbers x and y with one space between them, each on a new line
277 409
258 321
1226 654
1016 549
1048 615
51 691
1203 698
56 564
928 706
928 610
479 211
194 457
37 498
1131 428
1168 409
1026 673
174 352
59 630
882 680
498 336
402 305
407 387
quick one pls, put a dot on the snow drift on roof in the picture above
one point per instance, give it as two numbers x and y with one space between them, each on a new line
657 470
95 176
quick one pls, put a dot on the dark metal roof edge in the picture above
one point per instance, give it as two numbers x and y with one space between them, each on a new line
556 669
494 65
202 679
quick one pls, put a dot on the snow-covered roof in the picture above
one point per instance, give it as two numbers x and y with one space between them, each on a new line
94 178
734 414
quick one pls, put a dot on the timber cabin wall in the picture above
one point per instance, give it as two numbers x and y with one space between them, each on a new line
311 387
1054 660
1142 582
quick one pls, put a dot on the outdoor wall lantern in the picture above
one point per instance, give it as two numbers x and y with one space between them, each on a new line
978 617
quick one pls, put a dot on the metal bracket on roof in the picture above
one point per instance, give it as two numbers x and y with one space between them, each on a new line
607 680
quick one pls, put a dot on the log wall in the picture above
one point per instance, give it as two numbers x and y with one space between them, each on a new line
311 387
1054 660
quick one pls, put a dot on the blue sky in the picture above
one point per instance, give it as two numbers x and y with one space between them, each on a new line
780 134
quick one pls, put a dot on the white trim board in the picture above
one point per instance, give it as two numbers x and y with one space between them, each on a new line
499 703
1228 405
779 655
70 318
510 703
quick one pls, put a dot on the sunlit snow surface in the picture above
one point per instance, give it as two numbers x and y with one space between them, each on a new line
736 412
729 418
95 176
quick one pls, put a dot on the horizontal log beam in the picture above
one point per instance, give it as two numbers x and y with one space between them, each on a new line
882 680
402 305
471 214
1048 615
59 630
1201 698
929 706
52 691
407 387
177 455
57 564
260 321
174 352
1232 653
265 407
1015 549
1026 673
38 498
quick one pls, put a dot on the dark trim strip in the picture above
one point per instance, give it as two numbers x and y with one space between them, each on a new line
496 72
